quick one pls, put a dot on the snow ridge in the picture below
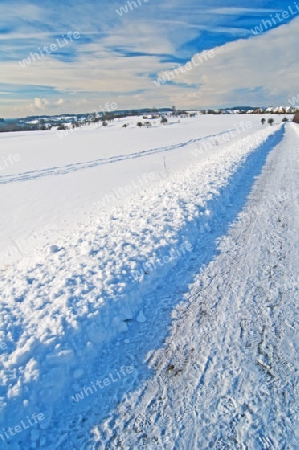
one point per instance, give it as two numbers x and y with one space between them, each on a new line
84 293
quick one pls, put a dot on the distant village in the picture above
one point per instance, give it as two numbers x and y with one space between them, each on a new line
71 121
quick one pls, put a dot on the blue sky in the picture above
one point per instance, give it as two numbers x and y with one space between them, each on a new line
104 54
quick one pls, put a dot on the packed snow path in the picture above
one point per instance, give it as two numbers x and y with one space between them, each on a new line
227 377
93 308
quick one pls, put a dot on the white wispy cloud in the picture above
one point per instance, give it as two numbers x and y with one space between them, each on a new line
118 58
253 70
14 11
237 10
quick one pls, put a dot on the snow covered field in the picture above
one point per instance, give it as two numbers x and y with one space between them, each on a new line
149 282
49 188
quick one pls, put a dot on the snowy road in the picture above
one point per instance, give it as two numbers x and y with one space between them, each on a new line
227 377
185 300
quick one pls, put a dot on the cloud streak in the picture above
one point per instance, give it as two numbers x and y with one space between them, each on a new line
117 58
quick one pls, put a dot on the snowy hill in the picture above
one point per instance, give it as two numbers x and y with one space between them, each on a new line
149 285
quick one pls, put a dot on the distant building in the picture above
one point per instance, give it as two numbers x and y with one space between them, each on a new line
296 118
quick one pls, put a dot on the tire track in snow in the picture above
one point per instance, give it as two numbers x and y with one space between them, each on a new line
70 168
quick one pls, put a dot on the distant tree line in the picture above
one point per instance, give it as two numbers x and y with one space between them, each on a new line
13 126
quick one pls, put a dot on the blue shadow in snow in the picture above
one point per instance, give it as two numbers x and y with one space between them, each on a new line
158 302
